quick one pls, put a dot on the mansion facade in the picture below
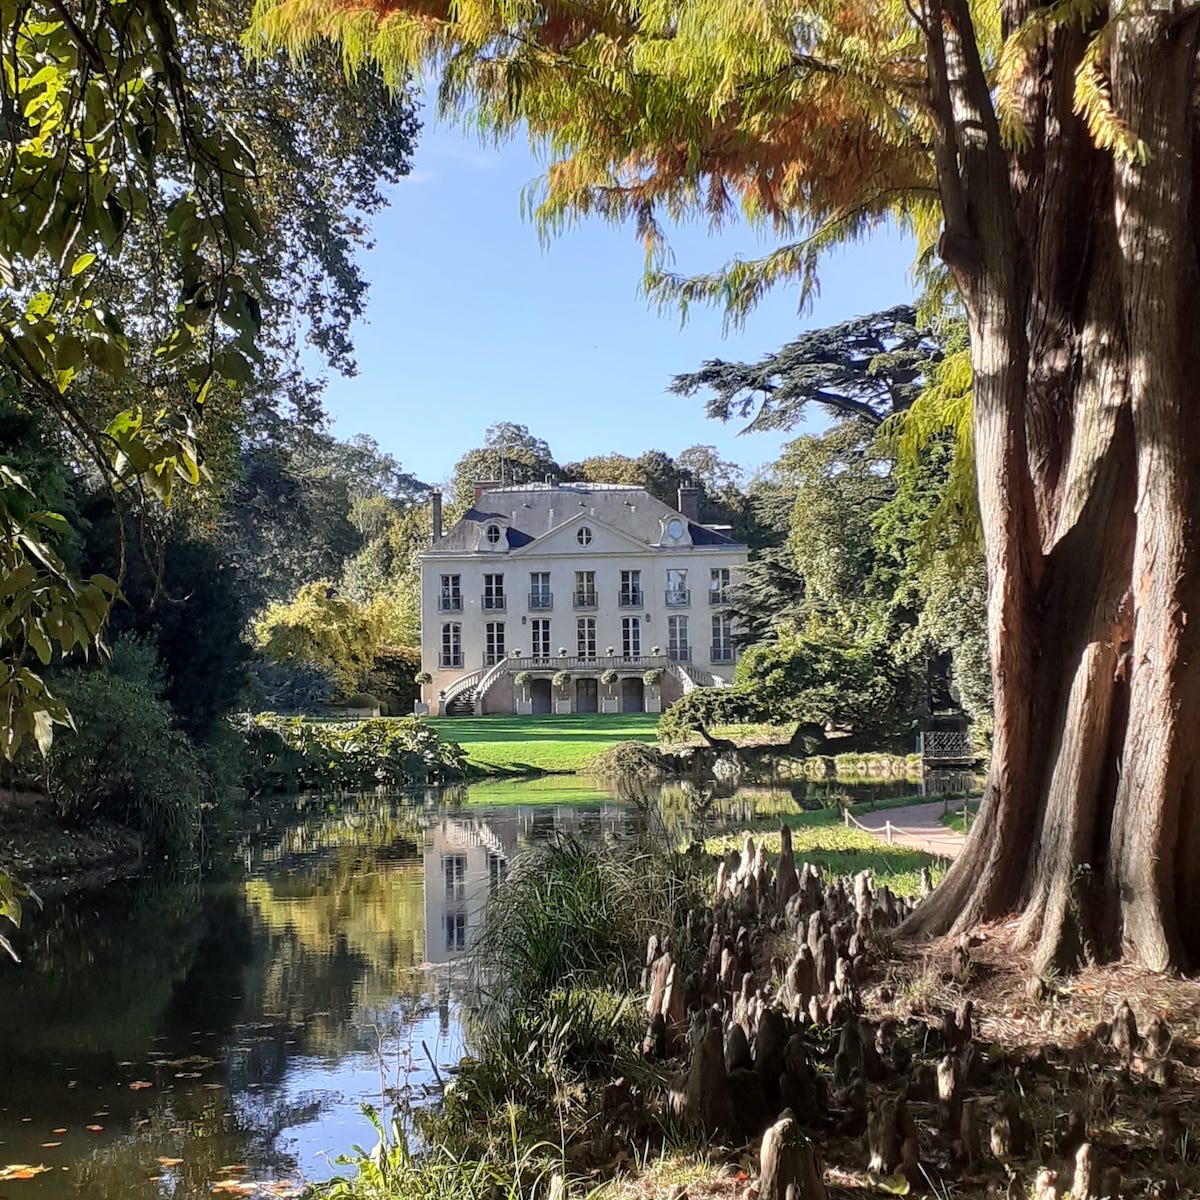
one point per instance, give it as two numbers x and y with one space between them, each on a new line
575 597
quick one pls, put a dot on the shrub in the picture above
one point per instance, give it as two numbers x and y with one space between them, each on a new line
395 752
523 678
628 760
292 687
562 678
571 915
360 700
393 678
653 677
709 707
422 678
124 761
609 677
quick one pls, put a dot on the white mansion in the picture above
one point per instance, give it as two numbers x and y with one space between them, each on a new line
574 597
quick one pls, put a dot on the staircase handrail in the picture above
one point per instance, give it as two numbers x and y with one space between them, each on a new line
460 685
490 676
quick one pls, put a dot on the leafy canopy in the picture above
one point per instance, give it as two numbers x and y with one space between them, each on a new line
811 123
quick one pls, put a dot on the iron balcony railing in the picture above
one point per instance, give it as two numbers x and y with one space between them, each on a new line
541 601
717 596
491 659
586 600
721 654
680 653
678 597
451 660
449 604
631 598
494 602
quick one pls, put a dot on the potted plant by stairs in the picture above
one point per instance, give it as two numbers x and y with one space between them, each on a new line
608 704
562 680
420 705
653 681
522 681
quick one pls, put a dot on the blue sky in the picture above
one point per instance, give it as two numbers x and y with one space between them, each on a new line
472 320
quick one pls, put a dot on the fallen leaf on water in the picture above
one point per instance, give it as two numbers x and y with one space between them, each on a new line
213 1087
93 1128
170 1162
282 1187
235 1187
58 1131
20 1171
232 1167
187 1074
72 1083
50 1145
138 1084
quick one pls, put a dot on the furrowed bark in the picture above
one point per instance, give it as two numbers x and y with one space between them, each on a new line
1084 341
1153 80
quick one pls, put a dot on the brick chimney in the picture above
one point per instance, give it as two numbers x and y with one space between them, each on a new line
689 503
435 501
485 485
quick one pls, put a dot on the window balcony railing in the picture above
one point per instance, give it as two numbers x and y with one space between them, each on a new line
680 654
491 658
586 600
493 602
722 654
718 596
678 597
450 660
630 599
541 601
449 604
586 656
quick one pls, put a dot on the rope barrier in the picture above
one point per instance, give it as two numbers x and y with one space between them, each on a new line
889 831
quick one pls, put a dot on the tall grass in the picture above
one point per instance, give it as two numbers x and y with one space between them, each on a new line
392 1171
571 915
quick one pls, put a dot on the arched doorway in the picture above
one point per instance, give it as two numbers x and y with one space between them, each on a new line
633 695
539 696
587 696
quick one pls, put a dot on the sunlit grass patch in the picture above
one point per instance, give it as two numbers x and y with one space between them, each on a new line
512 745
837 850
954 818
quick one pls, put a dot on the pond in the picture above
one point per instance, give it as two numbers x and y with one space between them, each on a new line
173 1033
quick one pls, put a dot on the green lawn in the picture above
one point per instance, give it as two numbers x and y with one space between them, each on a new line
954 818
554 744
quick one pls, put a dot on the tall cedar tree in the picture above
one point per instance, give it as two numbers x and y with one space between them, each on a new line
1050 152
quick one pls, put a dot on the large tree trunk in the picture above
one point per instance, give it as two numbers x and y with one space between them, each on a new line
1084 330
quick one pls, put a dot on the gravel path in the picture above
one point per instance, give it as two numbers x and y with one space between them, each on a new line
917 825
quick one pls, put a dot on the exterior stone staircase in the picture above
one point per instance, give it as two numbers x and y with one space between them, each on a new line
461 696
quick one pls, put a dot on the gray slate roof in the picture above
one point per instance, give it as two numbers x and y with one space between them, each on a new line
532 510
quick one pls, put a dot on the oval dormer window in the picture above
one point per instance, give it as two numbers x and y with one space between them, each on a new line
675 529
584 536
492 533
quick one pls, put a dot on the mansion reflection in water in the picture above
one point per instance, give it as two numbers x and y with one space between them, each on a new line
467 854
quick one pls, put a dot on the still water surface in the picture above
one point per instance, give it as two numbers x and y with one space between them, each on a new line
167 1033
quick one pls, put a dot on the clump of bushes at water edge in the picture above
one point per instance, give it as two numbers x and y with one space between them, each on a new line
293 754
709 707
557 965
